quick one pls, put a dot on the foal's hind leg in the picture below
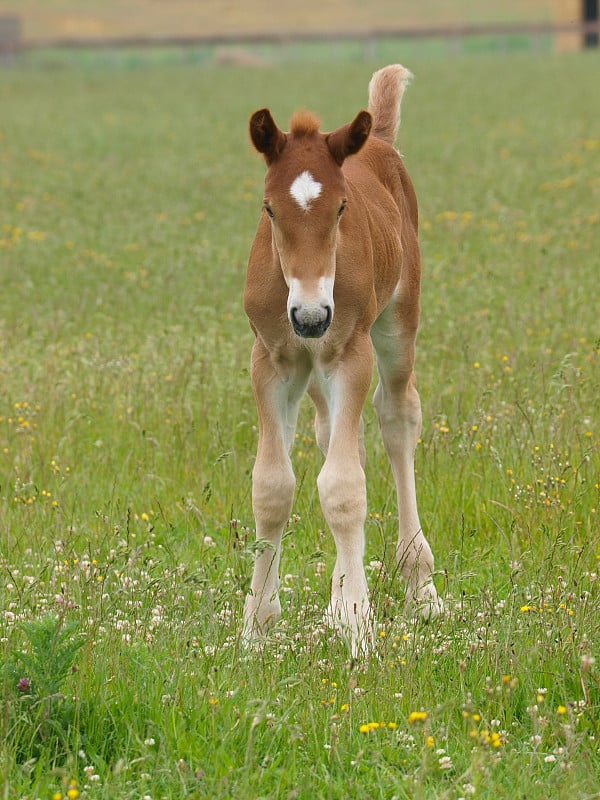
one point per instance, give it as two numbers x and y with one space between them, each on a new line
323 422
399 410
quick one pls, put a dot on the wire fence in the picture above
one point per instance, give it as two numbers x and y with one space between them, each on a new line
575 35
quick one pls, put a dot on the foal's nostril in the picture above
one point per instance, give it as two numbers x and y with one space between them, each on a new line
310 322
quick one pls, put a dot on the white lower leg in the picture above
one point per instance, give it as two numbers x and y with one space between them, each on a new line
349 607
343 499
400 426
415 560
272 495
262 607
413 553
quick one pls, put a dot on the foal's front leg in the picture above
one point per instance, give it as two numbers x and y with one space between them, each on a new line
342 490
273 484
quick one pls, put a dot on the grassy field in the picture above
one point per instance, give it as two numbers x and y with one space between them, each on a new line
127 436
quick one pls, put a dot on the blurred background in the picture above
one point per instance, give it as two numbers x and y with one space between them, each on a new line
260 32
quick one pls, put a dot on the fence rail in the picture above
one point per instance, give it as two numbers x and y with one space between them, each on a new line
11 42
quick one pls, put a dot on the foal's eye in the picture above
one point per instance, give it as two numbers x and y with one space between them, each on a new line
267 208
342 208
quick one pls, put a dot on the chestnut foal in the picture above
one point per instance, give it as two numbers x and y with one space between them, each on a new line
334 271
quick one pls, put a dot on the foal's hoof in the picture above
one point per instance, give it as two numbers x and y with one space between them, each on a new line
252 642
259 619
358 636
426 602
255 638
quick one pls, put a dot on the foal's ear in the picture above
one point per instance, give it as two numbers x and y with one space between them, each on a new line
266 136
348 139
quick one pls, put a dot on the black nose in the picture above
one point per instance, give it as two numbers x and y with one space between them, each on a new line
310 323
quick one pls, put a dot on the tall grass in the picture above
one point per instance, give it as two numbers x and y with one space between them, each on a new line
127 436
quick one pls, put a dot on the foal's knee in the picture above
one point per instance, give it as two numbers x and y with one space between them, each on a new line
342 492
398 413
272 495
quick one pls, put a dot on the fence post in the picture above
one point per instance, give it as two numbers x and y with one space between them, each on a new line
590 15
10 40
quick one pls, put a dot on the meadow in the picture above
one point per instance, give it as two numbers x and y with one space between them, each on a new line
127 436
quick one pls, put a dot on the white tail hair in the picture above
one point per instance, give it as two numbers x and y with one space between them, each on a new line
385 95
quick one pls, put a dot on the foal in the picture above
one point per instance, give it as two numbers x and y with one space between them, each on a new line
334 271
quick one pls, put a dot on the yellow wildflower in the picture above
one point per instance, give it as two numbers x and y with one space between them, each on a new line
371 726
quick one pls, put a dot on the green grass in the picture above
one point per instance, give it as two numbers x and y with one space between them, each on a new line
127 436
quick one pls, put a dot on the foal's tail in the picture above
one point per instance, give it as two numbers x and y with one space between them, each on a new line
385 95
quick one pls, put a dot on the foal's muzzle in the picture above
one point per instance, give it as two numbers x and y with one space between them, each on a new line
310 322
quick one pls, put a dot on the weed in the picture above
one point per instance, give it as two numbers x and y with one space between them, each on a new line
41 710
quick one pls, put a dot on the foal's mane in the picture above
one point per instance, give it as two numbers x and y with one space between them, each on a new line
304 123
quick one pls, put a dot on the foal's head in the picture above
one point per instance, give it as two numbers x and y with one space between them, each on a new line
305 198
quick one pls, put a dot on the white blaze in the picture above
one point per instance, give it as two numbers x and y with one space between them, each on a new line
310 303
305 189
